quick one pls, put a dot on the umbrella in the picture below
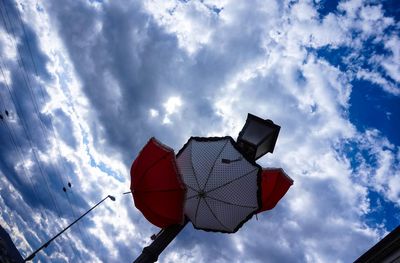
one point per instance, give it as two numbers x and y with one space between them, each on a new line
156 185
274 184
223 187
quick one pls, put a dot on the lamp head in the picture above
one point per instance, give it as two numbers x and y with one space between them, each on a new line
257 137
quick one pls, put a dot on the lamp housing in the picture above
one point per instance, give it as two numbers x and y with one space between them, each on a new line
257 137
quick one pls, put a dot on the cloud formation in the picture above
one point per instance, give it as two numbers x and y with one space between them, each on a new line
86 83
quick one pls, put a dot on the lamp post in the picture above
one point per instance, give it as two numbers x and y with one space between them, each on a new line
160 242
257 137
31 256
196 162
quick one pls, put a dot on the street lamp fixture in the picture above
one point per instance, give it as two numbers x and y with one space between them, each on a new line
31 256
257 137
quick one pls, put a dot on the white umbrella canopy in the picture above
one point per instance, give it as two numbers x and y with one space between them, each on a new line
223 187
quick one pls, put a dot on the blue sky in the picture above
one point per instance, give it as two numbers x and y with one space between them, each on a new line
87 83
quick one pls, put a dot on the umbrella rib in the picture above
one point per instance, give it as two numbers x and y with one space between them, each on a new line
240 177
194 172
215 216
215 161
196 190
190 197
197 210
229 203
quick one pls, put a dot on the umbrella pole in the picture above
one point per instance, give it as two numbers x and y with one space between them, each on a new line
150 253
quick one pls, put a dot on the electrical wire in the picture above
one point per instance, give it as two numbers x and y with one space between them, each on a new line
18 151
34 100
27 43
24 125
35 103
51 124
23 122
29 86
52 130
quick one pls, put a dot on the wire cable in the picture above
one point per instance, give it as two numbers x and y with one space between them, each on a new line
52 127
52 130
35 103
18 151
27 43
21 117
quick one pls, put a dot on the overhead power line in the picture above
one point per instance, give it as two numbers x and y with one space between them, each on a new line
25 76
64 174
21 114
18 151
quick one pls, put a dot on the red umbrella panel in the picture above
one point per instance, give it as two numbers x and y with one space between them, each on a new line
274 185
157 188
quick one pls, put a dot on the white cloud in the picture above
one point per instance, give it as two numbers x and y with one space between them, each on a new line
193 255
378 79
383 176
118 60
172 107
153 113
192 22
390 63
8 43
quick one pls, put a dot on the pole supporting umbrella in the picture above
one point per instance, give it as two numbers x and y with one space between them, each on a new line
164 237
223 186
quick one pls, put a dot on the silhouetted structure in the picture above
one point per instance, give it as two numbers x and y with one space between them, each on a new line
385 251
8 252
151 253
222 180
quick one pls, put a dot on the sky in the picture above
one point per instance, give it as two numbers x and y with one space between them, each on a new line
84 84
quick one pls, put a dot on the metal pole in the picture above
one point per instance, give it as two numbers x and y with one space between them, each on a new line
164 237
31 256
